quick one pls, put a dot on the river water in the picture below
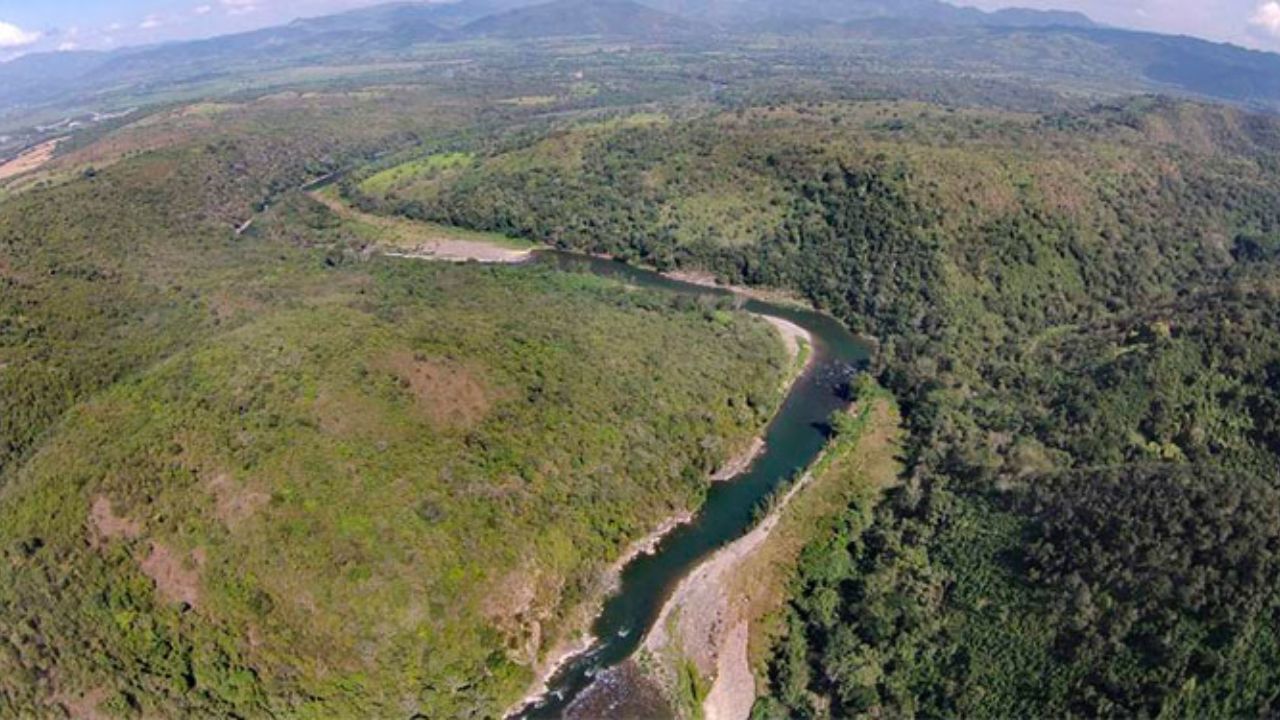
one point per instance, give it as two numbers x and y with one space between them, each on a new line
793 439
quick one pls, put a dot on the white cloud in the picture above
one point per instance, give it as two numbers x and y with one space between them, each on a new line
151 22
202 9
67 47
1267 17
12 36
114 27
240 7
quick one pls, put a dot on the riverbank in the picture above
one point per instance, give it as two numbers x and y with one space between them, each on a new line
718 622
799 345
705 279
797 342
607 584
402 238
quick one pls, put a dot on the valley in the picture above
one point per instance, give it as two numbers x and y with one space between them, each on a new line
583 359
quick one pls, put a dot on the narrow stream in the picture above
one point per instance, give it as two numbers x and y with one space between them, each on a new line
794 438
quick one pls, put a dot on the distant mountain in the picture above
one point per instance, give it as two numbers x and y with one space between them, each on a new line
387 18
392 18
38 77
913 34
1216 70
565 18
756 12
1022 17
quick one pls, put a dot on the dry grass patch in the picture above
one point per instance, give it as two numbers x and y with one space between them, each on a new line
347 414
177 578
29 159
228 305
84 706
448 394
518 605
234 502
109 526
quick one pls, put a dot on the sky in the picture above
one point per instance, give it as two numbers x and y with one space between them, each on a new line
1251 23
40 25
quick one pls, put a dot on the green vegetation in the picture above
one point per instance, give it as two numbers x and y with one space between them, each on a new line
847 482
1067 302
272 473
483 452
691 690
330 220
430 166
266 473
1114 557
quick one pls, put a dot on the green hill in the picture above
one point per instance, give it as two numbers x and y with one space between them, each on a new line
1076 315
265 474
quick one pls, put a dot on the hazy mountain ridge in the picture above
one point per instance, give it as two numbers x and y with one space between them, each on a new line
755 11
999 41
581 17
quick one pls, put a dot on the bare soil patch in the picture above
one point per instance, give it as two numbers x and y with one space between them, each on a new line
177 578
234 502
109 526
452 250
84 706
448 394
734 691
29 159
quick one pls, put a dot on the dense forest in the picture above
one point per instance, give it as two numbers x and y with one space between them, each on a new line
1075 311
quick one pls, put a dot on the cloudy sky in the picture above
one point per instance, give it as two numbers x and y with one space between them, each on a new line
30 25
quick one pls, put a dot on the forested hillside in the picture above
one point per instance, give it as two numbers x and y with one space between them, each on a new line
1075 311
249 465
271 472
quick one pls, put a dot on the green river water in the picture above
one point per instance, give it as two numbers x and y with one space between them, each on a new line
794 438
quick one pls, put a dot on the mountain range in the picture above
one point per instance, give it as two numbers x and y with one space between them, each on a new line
1000 40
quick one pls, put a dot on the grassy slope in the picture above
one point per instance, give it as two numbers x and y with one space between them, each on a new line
860 463
279 480
396 233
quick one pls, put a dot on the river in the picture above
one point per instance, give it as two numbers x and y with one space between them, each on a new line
794 438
